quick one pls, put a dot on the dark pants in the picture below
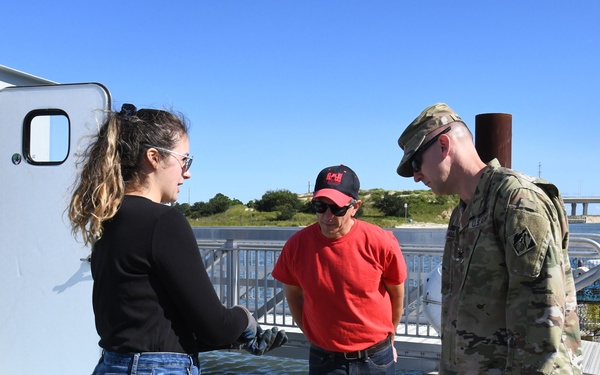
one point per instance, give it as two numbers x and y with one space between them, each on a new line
323 362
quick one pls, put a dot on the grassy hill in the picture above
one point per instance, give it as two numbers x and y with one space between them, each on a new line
422 207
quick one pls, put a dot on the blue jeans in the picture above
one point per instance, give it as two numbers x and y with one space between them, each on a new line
147 364
321 362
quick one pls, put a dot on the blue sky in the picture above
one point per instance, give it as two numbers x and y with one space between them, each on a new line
277 90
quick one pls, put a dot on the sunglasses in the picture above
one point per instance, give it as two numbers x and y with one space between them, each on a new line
417 159
187 160
336 210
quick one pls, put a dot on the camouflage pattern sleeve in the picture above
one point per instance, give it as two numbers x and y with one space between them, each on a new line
508 296
542 325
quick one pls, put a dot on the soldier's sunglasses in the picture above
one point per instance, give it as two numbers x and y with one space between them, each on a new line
417 159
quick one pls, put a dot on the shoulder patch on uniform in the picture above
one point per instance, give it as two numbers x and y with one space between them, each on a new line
523 241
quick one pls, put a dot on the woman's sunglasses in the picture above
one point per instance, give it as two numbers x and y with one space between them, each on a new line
322 207
185 163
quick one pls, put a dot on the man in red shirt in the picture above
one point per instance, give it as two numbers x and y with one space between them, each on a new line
344 282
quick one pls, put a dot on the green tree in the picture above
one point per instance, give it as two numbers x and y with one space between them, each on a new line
219 203
390 204
274 199
199 209
286 212
215 205
307 208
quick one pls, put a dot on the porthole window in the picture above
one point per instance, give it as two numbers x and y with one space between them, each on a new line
46 136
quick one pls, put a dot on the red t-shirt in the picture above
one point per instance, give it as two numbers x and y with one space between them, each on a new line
346 306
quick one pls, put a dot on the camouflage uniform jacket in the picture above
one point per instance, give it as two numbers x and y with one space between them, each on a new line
508 296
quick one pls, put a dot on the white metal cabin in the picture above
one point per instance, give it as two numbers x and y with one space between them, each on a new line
46 319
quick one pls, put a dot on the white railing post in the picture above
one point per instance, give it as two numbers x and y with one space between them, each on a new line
233 275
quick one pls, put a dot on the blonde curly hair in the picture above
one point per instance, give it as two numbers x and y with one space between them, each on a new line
110 165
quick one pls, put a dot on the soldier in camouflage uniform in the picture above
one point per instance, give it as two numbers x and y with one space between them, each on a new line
508 296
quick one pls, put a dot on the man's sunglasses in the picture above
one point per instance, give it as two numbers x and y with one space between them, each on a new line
322 207
417 159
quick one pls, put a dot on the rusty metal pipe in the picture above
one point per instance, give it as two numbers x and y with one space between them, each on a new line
493 137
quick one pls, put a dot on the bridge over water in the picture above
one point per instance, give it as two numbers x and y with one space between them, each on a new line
584 201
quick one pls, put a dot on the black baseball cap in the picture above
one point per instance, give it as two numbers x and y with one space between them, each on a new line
338 183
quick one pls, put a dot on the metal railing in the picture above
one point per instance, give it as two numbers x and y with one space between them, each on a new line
585 248
241 274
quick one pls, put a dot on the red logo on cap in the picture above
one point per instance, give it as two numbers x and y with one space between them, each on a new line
334 178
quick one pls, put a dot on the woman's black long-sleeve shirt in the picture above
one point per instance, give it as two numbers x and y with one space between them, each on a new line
151 291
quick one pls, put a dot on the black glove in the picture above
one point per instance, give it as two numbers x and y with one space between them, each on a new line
250 341
261 341
278 338
257 341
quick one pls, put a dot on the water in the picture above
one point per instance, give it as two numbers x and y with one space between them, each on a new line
585 228
224 362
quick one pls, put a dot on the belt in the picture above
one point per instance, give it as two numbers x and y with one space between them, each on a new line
359 354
